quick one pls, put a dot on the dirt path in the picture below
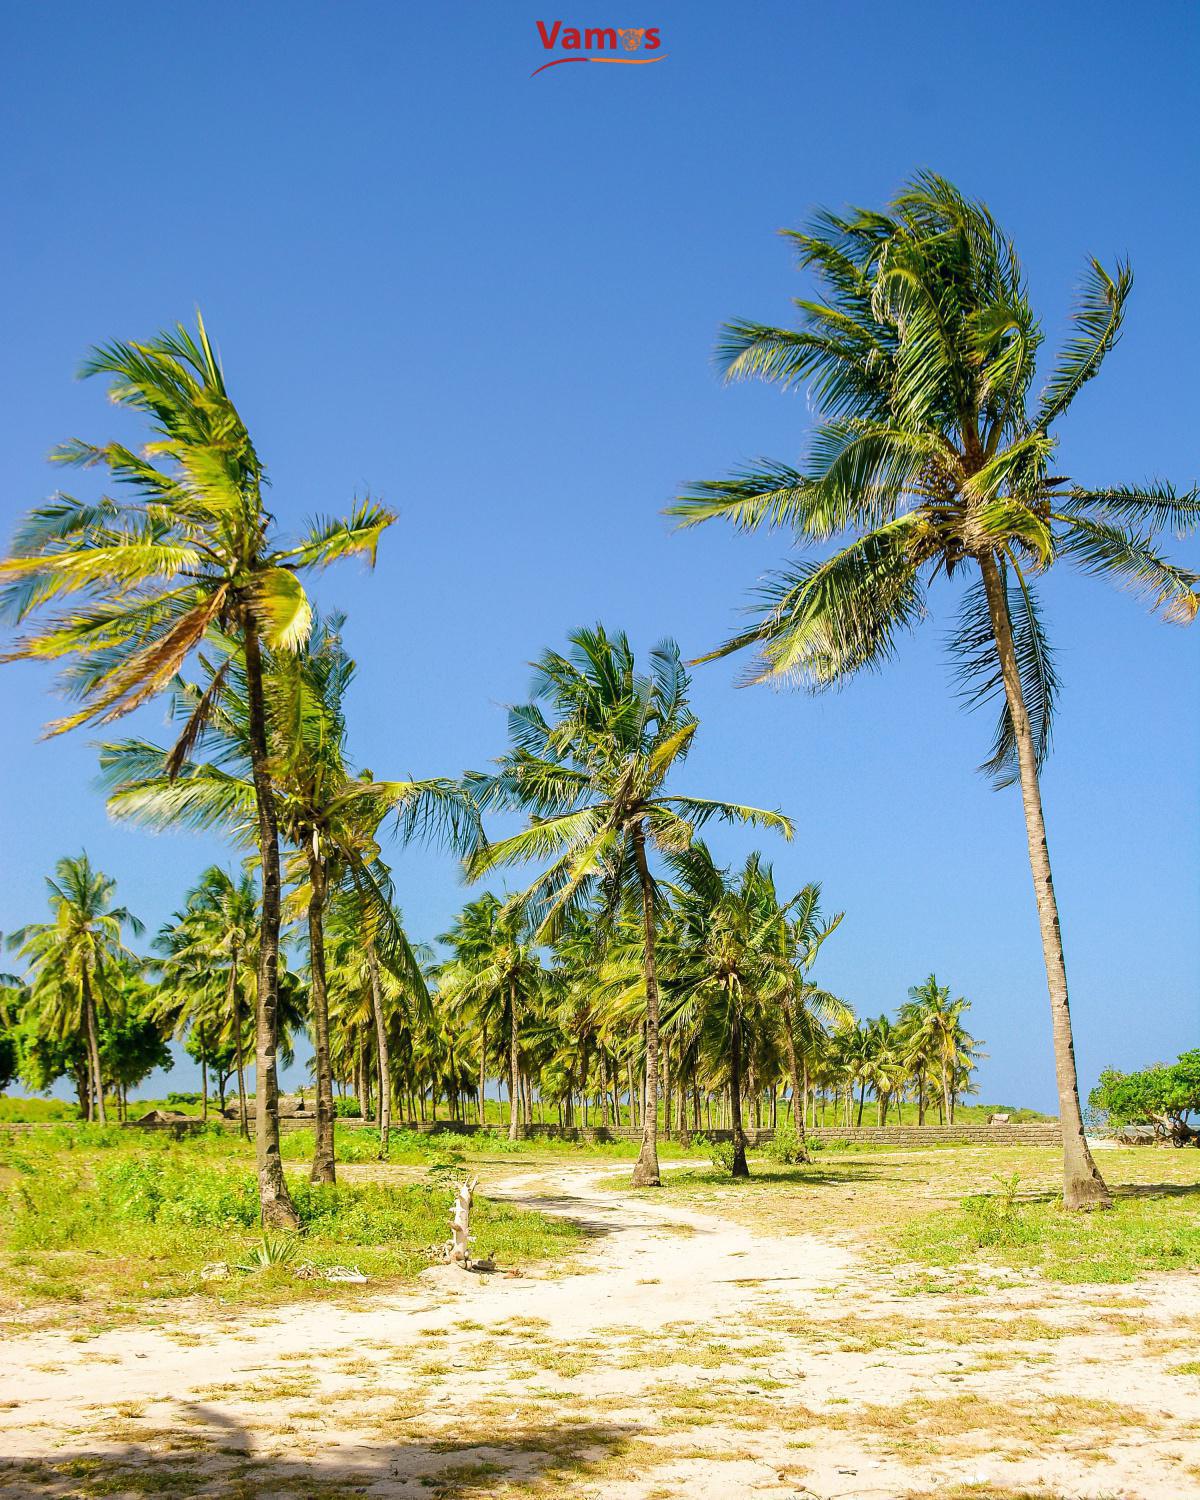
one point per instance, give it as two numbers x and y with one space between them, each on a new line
679 1355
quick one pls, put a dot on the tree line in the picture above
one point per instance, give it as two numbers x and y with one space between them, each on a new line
932 460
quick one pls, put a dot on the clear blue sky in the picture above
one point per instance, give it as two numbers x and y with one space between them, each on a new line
492 301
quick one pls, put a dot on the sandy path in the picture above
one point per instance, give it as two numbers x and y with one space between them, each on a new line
683 1355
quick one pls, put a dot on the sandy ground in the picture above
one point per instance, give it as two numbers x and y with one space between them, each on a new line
679 1355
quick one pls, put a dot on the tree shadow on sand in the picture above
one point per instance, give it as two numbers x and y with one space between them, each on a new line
211 1454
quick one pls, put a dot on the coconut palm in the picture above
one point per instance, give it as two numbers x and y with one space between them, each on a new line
807 1009
328 815
494 973
209 963
933 1029
76 958
592 778
933 458
188 547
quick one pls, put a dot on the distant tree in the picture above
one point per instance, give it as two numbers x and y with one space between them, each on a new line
75 961
1163 1096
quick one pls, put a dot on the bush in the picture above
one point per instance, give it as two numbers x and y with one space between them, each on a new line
996 1218
720 1153
347 1109
785 1146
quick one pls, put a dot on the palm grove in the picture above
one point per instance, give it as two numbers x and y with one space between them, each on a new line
630 977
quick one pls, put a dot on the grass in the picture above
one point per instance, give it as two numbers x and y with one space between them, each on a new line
960 1208
116 1220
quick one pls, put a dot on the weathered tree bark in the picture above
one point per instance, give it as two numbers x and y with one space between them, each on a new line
276 1205
324 1168
381 1046
203 1086
93 1046
646 1170
1083 1186
740 1169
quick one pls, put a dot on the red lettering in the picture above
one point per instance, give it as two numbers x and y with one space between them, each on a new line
548 36
652 39
571 38
600 37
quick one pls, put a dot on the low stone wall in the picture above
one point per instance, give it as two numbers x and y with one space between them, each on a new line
898 1137
1036 1133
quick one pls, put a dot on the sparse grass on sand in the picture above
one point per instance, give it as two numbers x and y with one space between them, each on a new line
973 1205
110 1219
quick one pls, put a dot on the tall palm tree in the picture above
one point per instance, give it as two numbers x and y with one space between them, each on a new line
592 778
932 457
328 816
76 957
187 548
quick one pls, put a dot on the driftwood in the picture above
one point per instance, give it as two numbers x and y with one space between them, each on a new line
458 1248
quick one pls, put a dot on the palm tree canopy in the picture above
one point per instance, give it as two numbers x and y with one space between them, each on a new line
932 451
183 547
592 752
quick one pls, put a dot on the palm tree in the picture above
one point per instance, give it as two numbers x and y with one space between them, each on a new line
592 779
933 458
210 956
328 816
807 1009
76 958
934 1032
188 549
724 977
495 974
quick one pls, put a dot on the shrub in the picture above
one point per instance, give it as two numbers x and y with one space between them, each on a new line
996 1218
785 1146
720 1153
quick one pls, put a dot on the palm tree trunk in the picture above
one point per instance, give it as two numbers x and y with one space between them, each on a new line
235 1011
921 1098
381 1044
1083 1186
514 1066
646 1171
482 1073
799 1085
277 1209
740 1169
204 1085
93 1046
323 1165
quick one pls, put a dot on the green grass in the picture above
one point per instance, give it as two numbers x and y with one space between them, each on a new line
951 1208
116 1219
1159 1232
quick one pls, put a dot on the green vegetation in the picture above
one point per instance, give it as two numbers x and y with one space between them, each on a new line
1162 1096
636 981
965 1209
110 1219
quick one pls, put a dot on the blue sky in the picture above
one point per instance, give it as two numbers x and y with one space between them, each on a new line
491 300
